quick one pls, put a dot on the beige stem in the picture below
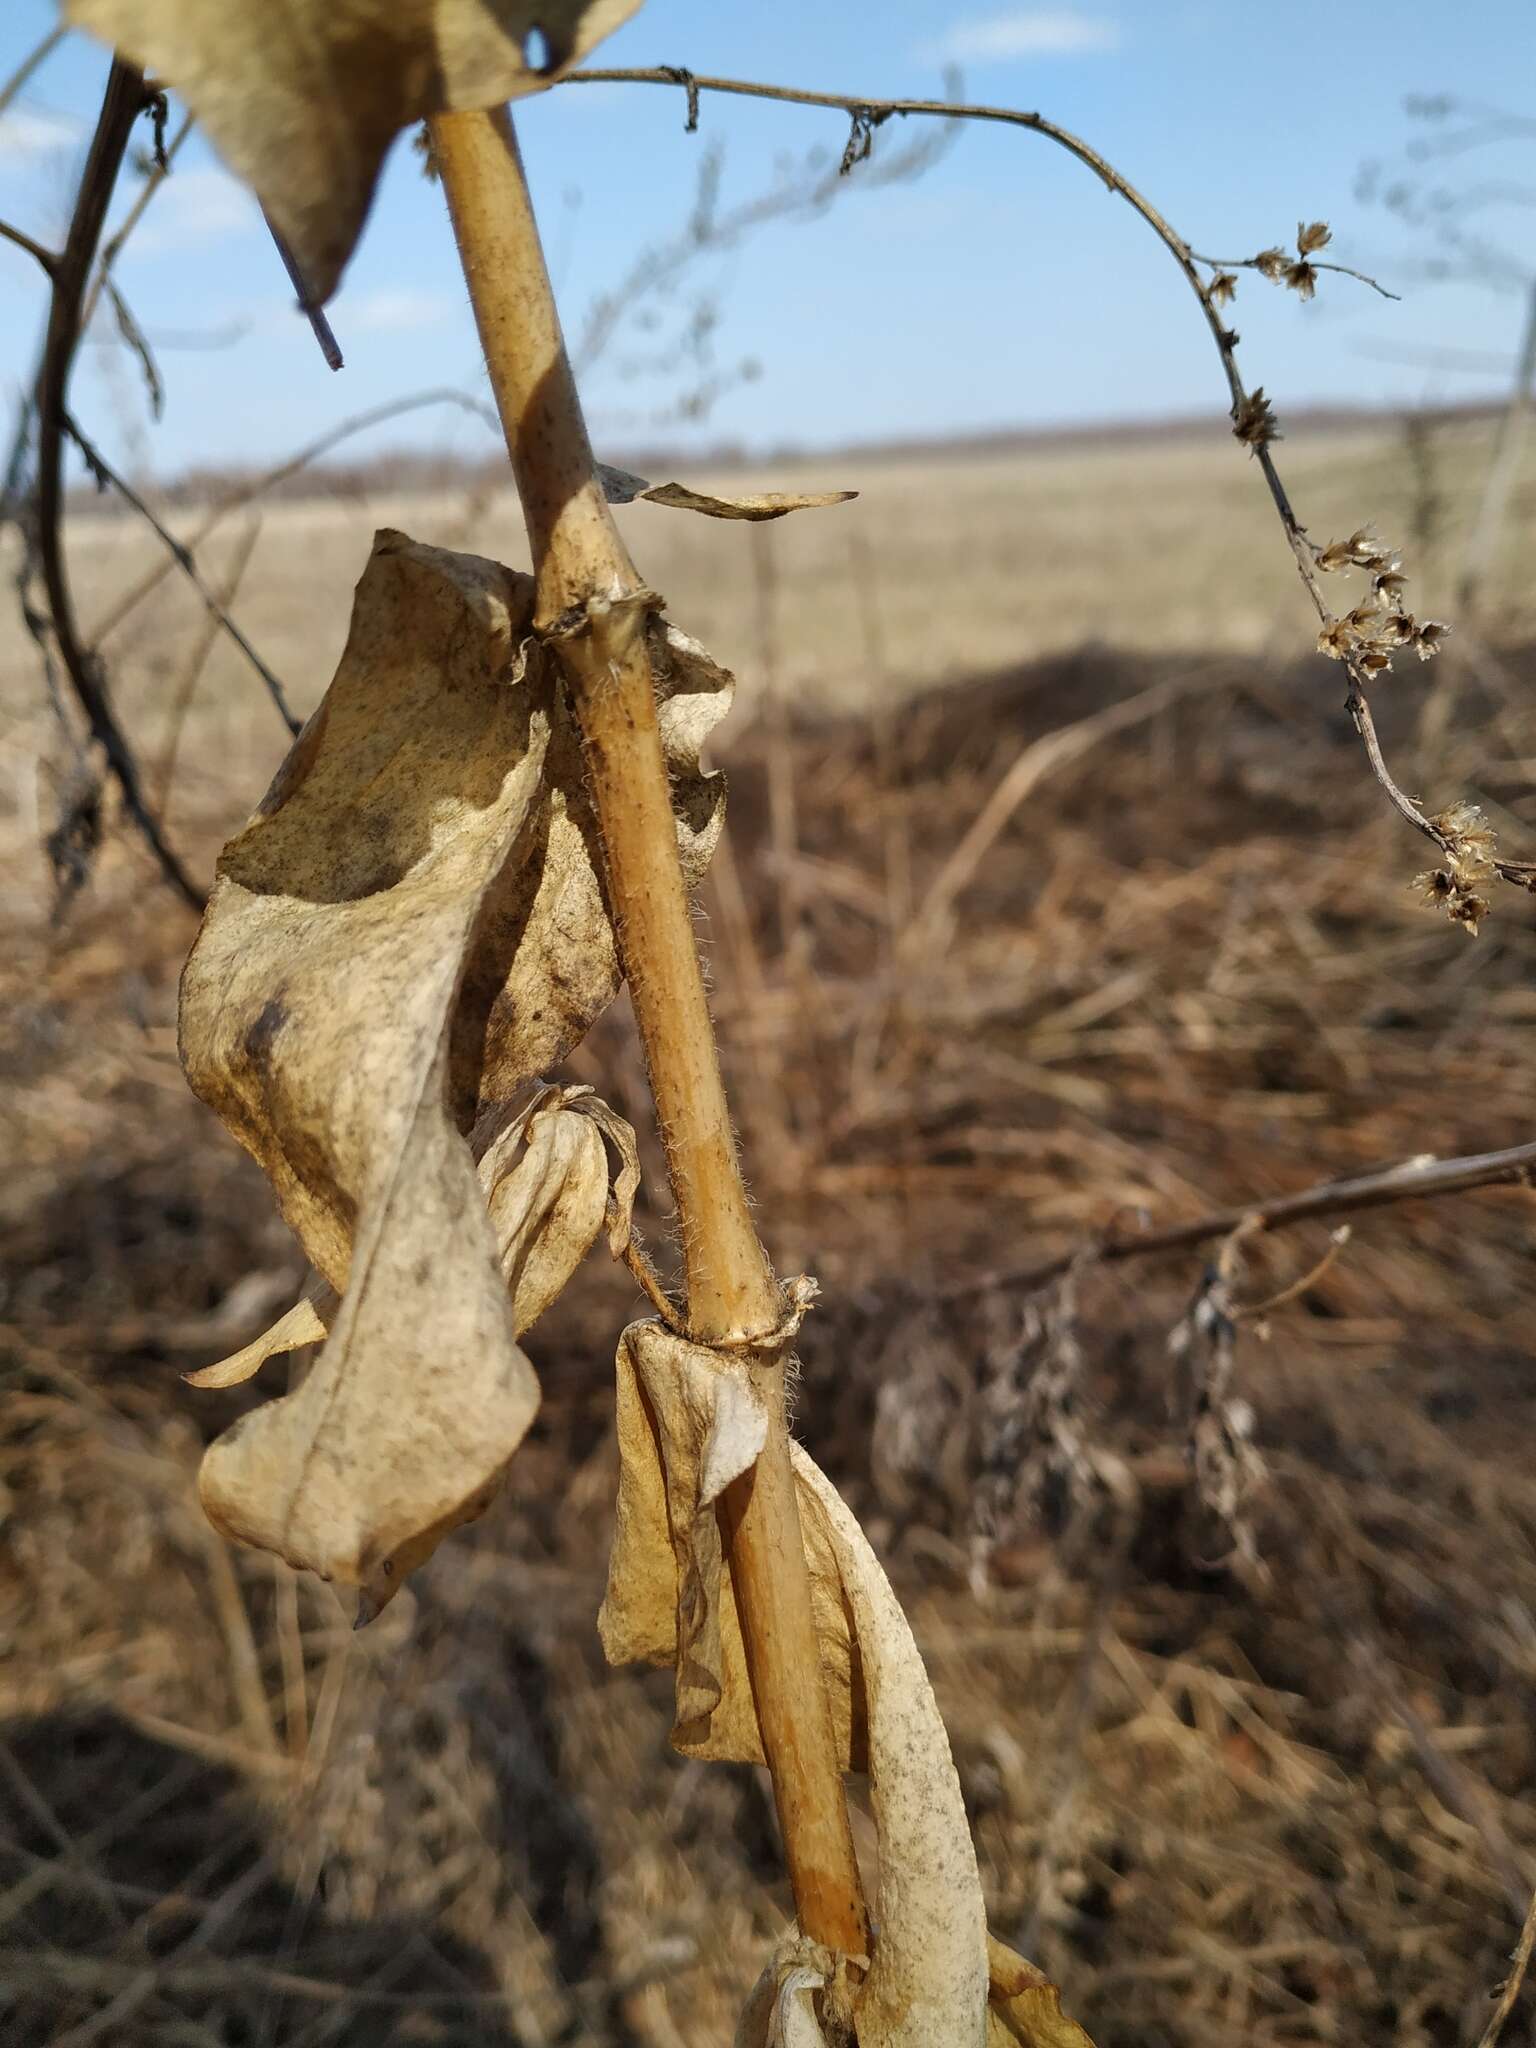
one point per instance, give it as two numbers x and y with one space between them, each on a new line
593 608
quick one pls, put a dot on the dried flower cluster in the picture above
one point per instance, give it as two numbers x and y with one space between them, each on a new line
1380 626
1456 888
1296 272
1254 421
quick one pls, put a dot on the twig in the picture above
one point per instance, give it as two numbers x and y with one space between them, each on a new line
24 70
41 256
1313 263
1519 872
121 106
320 326
805 194
594 610
113 247
1253 422
131 598
196 662
1405 1182
136 339
1521 1962
1254 1311
1483 541
182 557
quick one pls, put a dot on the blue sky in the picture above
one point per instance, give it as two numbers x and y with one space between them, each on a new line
1005 287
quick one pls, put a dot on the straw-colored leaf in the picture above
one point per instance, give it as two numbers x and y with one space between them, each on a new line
546 1206
623 487
302 98
780 2011
1024 2006
689 1422
410 928
307 1322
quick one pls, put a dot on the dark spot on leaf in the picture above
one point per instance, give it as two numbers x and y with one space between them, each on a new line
262 1035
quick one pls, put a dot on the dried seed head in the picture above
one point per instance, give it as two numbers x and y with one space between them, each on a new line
1254 421
1312 236
1302 279
1274 263
1468 839
1429 638
1362 550
1223 288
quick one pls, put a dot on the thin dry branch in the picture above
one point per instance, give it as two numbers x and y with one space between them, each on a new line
24 70
124 100
103 471
1521 1963
1314 263
258 486
1408 1181
44 258
319 325
113 247
1252 417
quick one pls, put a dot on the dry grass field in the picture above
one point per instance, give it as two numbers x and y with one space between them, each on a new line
1259 1772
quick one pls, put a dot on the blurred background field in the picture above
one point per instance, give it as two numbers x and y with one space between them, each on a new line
1265 1779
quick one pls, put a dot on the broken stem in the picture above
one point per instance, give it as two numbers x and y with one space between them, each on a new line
594 610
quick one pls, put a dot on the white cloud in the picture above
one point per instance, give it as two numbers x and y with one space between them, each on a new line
1024 32
391 311
25 135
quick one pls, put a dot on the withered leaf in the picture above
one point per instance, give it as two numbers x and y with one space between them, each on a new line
409 929
307 1322
688 1422
547 1203
1024 2006
302 98
623 487
780 2011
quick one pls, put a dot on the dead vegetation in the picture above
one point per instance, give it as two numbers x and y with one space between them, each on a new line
1249 1766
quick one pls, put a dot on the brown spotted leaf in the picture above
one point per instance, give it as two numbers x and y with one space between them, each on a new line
302 98
409 930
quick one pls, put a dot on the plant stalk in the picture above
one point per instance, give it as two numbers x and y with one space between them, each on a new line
594 610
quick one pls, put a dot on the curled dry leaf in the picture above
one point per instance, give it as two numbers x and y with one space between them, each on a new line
307 1322
410 928
780 2011
546 1206
689 1422
623 487
1024 2006
303 100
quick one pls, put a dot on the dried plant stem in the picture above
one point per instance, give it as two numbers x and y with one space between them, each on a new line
122 103
1483 541
29 64
1515 1981
1252 420
1408 1181
594 609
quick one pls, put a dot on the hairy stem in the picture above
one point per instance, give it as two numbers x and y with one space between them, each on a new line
594 610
